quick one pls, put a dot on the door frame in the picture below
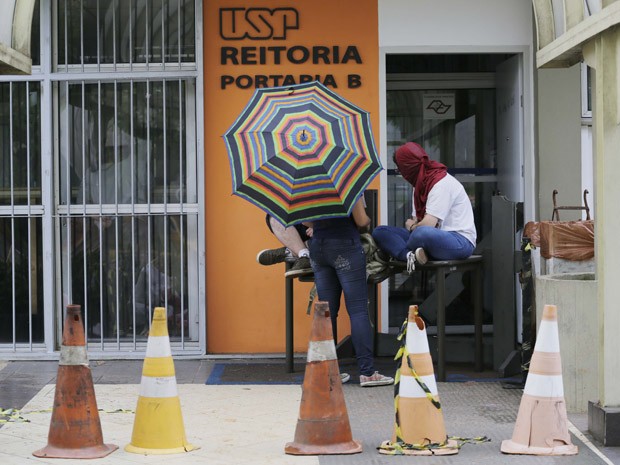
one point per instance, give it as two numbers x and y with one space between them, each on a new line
528 142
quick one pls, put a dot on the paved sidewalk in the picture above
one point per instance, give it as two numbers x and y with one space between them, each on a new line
241 423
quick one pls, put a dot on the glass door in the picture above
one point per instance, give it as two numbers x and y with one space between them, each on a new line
453 117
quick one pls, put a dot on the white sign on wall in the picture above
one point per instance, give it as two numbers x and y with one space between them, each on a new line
438 106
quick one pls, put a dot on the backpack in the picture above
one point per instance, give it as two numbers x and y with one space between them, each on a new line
375 265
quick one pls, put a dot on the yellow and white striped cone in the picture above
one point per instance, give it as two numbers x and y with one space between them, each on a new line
158 426
542 424
419 427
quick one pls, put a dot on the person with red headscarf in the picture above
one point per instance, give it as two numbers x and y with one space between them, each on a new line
442 224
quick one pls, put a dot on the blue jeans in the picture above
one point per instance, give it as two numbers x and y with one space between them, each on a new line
339 266
438 244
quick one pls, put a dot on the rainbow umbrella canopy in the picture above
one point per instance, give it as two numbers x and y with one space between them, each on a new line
301 153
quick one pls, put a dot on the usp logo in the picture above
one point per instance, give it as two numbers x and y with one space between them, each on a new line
257 23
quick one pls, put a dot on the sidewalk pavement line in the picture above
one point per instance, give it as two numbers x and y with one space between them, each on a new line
573 429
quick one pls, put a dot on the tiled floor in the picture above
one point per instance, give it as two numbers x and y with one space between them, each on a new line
251 423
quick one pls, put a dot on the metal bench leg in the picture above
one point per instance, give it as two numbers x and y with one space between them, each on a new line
477 294
441 324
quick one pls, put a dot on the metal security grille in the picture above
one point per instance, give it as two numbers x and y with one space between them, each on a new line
128 213
21 273
99 192
126 34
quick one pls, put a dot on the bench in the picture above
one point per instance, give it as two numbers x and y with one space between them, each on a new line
442 268
344 348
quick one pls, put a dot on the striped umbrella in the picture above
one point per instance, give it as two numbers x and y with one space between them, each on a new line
301 153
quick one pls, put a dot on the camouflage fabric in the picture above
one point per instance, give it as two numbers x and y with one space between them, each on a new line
376 267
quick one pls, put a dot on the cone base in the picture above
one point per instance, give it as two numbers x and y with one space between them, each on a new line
96 452
295 448
174 450
511 447
388 448
420 421
158 427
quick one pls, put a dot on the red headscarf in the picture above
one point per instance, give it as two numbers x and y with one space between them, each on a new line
421 172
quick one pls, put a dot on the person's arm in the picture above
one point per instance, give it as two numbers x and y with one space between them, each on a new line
309 229
361 219
428 220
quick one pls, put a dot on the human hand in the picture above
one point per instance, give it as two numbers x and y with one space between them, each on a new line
309 232
410 224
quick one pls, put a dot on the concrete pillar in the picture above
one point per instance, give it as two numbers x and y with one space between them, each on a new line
15 32
601 53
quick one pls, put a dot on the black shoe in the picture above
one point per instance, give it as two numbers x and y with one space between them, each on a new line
301 267
272 256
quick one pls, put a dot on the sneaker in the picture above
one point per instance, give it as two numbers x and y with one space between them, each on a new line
420 256
345 377
273 256
301 267
376 379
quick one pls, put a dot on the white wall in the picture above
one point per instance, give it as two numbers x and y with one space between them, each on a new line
6 22
462 23
587 167
559 141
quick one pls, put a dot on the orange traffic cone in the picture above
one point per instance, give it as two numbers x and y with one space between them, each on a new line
158 426
419 427
75 429
323 425
542 424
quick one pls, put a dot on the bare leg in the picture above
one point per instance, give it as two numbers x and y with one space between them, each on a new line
289 237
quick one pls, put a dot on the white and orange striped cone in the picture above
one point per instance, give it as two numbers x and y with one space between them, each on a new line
542 424
158 426
419 427
323 424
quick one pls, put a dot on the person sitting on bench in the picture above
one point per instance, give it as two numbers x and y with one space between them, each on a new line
295 250
442 224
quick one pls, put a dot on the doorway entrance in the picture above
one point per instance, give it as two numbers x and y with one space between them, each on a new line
457 107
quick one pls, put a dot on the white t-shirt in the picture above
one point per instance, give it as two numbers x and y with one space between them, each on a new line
448 202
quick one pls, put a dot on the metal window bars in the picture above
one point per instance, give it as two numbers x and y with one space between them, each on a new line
98 188
114 35
20 217
128 211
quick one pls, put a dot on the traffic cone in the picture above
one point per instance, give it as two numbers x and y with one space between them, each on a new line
542 424
323 425
75 429
419 427
158 426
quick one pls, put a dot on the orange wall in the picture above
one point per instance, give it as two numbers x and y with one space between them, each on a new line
245 301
